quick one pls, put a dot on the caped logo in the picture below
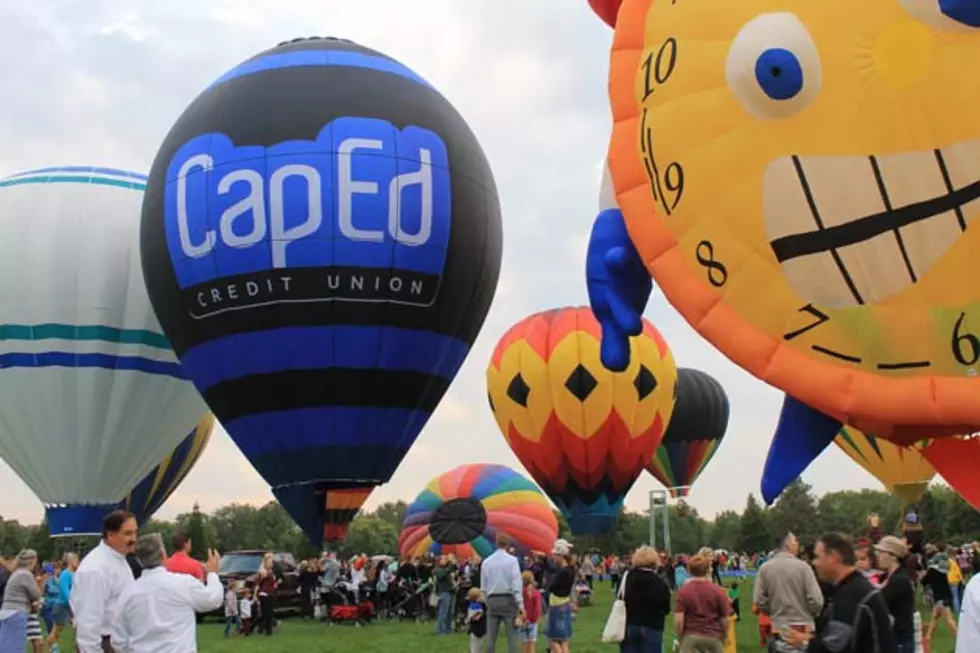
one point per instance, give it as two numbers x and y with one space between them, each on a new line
361 213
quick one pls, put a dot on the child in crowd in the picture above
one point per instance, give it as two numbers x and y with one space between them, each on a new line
245 612
765 627
733 593
231 611
476 617
532 613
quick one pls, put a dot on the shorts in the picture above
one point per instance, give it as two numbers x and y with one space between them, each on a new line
528 632
34 628
61 615
560 623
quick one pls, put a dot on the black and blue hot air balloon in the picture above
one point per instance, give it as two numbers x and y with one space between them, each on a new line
321 242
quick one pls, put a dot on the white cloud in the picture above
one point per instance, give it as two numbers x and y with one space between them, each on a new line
101 81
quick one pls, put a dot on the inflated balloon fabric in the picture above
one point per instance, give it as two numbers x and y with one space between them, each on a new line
152 492
696 428
321 240
463 511
91 394
903 470
582 432
606 10
799 178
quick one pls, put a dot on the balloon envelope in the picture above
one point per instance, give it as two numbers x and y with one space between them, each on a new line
152 492
462 512
903 470
817 232
582 432
696 428
91 394
321 240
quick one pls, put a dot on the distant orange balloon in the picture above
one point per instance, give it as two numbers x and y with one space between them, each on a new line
582 432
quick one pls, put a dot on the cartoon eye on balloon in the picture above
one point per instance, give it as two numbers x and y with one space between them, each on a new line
773 66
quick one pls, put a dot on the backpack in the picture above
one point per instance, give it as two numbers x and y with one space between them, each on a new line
838 637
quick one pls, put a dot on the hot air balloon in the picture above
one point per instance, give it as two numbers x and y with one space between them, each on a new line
695 431
836 263
321 240
91 394
606 10
904 471
582 432
462 512
955 459
152 492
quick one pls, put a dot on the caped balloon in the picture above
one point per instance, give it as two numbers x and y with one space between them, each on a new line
321 240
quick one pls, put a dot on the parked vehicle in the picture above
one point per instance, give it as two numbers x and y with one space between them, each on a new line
240 569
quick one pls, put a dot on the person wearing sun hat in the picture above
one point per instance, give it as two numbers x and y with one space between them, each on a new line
898 590
560 604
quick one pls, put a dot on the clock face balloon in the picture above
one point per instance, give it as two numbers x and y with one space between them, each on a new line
800 180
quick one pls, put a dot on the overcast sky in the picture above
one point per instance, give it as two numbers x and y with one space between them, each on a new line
101 82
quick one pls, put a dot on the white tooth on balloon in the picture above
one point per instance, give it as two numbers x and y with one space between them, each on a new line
963 164
817 279
914 177
844 189
784 205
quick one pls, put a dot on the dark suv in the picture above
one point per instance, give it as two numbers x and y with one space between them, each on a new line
239 569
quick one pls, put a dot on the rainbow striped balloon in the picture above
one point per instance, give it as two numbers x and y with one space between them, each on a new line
462 511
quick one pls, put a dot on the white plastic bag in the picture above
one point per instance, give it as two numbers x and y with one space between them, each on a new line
615 630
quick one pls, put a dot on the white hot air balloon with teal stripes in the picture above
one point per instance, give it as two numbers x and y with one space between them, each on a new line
91 395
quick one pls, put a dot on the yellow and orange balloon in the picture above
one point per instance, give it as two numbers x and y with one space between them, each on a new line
582 432
799 179
904 471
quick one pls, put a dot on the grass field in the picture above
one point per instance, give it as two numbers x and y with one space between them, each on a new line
299 636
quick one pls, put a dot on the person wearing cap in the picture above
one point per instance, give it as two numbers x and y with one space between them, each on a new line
899 591
500 580
560 604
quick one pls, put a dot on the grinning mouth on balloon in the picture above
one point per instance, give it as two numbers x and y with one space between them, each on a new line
853 230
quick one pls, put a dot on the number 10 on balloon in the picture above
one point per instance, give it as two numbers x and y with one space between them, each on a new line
667 184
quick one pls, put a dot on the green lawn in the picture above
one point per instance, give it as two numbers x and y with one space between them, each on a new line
308 637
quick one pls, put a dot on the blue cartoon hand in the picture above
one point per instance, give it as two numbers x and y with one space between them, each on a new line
619 287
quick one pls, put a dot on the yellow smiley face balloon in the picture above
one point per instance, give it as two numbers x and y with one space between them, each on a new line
802 180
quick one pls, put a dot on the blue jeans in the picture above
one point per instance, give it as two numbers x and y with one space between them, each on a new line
640 639
232 622
444 614
905 648
13 631
955 589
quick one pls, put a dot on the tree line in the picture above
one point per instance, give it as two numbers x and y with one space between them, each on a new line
945 516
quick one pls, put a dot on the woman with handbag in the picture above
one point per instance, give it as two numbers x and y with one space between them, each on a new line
647 599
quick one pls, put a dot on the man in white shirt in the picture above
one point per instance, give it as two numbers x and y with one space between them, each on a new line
968 633
157 612
500 580
99 580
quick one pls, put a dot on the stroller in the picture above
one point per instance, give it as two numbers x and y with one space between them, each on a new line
581 592
344 605
409 602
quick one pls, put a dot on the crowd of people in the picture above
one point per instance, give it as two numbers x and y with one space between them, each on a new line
129 596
